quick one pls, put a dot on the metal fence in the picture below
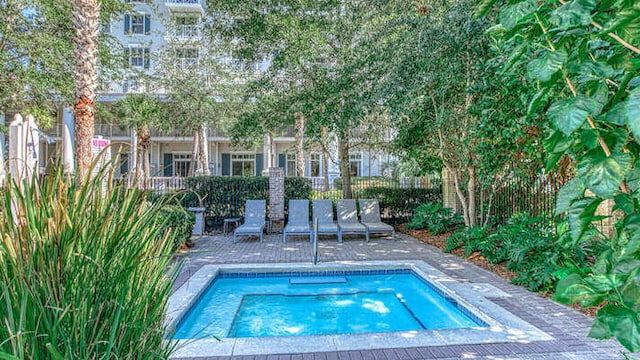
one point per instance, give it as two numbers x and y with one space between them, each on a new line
398 198
535 196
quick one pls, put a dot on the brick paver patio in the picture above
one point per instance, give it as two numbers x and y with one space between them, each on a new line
567 326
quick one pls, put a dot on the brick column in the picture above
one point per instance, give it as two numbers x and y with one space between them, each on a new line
449 197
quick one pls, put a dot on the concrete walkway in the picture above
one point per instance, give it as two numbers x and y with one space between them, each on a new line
567 326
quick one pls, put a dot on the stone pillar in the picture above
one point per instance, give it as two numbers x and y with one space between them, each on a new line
449 197
68 136
16 149
276 196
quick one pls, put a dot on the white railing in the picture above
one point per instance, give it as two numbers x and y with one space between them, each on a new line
183 2
162 185
187 32
317 183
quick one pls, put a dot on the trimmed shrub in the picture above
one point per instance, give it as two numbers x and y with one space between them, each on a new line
178 222
397 205
82 273
224 197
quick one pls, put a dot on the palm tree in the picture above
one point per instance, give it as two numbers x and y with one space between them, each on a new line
86 14
140 112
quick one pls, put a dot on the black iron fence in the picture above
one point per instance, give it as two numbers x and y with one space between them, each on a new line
534 195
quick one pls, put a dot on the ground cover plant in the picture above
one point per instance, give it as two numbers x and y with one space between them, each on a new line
83 272
538 252
435 218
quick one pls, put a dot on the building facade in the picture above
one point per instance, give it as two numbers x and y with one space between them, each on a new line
155 26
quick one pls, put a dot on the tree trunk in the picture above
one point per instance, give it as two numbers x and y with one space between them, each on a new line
325 161
194 153
142 163
86 15
345 174
471 192
203 157
300 144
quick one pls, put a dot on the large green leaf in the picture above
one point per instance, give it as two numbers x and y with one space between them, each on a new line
572 190
569 114
555 146
624 202
616 115
604 174
572 289
511 15
618 321
546 65
573 13
633 180
538 99
581 214
622 19
632 113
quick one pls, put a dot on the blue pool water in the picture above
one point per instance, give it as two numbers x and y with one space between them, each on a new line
294 304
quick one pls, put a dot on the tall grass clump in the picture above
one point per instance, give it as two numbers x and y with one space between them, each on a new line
83 274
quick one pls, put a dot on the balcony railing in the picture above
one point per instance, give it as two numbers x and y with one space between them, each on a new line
184 6
108 131
185 32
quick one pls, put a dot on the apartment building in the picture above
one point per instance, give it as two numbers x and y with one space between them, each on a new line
155 26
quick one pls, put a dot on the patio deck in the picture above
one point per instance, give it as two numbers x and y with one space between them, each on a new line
568 327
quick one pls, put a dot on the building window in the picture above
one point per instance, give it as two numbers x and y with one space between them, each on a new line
186 58
243 164
137 24
291 166
130 86
187 27
355 164
314 165
139 57
181 165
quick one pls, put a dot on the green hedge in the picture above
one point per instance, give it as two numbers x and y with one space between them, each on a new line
399 204
224 197
179 221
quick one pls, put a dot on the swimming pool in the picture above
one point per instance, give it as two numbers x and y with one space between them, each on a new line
476 300
239 305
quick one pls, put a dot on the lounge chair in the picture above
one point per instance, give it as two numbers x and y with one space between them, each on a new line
348 219
323 210
254 219
298 223
370 217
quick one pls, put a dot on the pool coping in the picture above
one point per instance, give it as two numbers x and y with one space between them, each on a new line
504 326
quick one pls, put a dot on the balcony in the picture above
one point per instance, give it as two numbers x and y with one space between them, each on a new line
185 33
185 6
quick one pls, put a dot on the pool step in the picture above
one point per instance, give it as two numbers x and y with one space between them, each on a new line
318 280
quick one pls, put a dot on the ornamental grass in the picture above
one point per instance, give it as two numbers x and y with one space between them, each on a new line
83 271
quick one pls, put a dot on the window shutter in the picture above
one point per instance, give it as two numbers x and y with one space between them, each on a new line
146 58
147 25
259 164
282 160
127 24
168 164
226 164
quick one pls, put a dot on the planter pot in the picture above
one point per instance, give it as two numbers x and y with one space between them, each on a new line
198 228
